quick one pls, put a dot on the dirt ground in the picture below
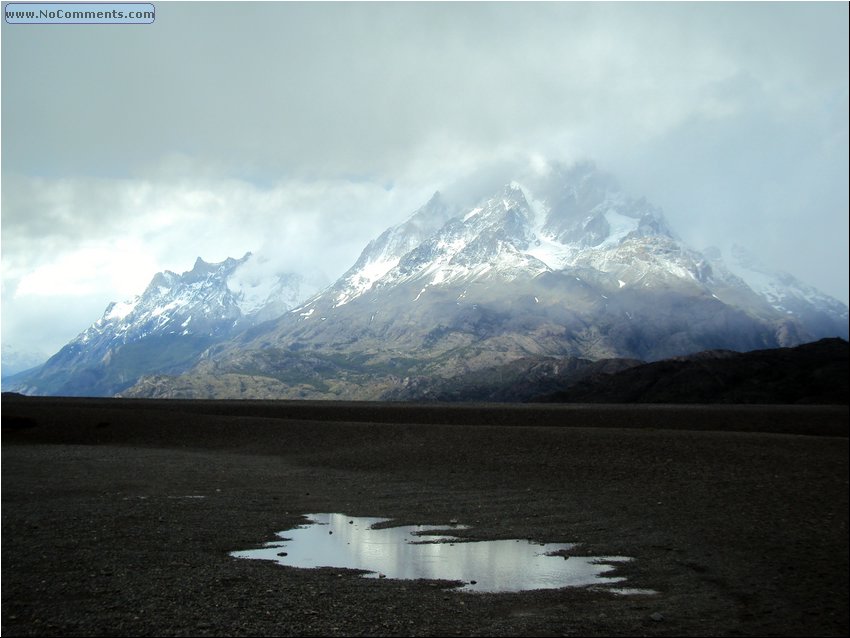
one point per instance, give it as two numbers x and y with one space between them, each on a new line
736 516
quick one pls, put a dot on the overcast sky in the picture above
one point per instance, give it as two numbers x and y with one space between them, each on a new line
302 130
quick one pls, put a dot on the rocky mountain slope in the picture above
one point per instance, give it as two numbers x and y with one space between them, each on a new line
520 380
558 264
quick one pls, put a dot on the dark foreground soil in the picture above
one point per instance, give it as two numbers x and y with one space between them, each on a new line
736 516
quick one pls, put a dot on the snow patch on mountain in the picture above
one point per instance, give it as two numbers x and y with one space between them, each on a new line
553 253
620 226
472 213
119 310
362 280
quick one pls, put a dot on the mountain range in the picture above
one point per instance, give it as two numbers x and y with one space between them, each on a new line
554 272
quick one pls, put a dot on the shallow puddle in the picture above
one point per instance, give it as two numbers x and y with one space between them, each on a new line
432 552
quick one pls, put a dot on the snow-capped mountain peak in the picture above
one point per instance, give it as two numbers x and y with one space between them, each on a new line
516 232
565 220
175 318
170 303
210 299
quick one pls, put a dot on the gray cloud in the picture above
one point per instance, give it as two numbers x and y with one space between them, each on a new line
322 87
301 130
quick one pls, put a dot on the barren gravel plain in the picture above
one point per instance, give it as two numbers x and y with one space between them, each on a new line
735 515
